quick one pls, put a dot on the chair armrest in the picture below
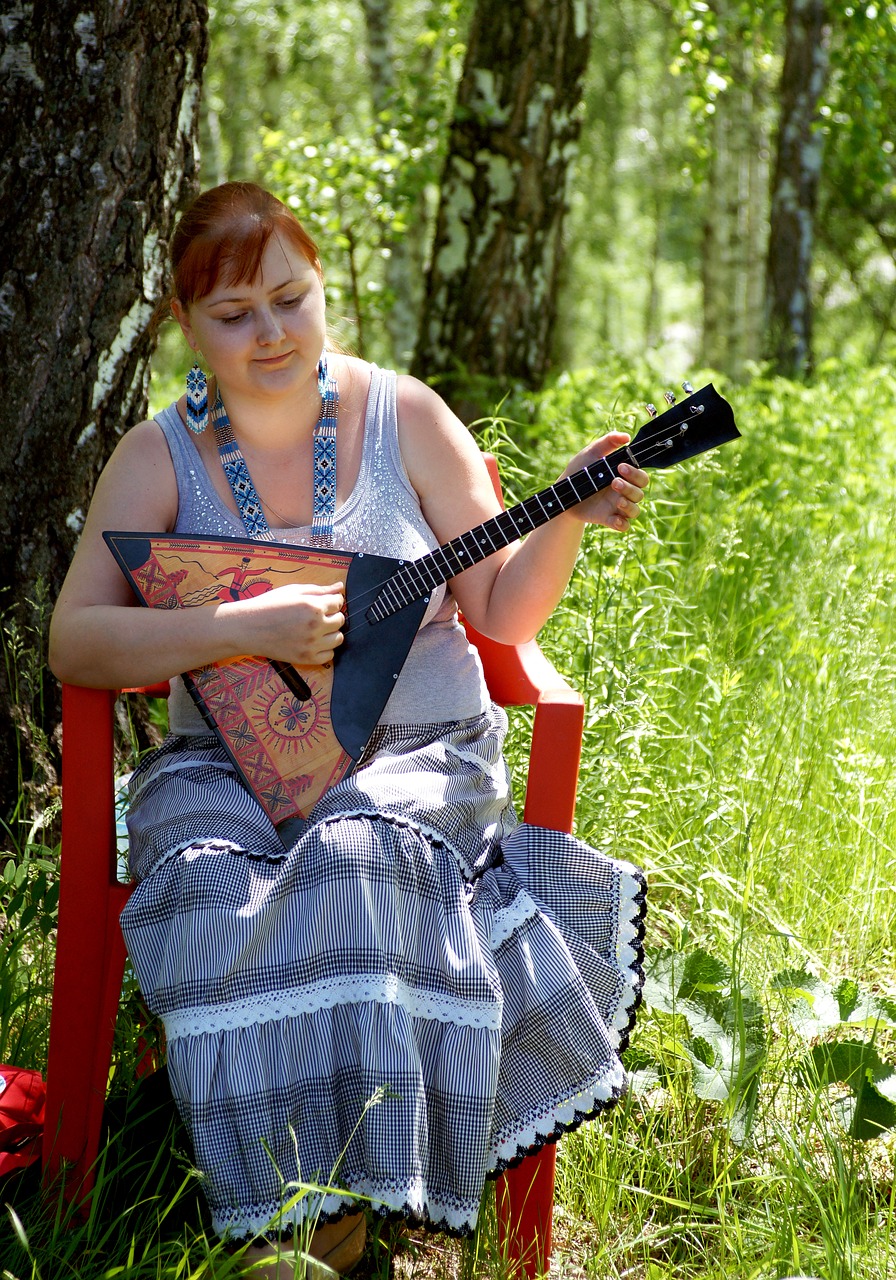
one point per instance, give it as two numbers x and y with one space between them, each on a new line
554 759
88 806
160 690
520 675
517 675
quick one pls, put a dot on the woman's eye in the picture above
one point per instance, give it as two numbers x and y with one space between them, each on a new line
291 302
233 319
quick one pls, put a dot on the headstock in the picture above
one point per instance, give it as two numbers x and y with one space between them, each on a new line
702 420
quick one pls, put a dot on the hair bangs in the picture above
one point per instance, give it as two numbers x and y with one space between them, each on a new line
223 236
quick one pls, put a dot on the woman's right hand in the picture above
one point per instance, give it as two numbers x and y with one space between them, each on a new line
301 623
99 638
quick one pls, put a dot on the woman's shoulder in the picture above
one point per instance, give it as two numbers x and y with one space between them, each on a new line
137 483
143 437
425 418
142 450
415 396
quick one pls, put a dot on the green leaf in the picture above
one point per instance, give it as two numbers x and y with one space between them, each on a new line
703 972
814 1007
18 1228
847 994
702 1051
872 1081
710 1083
873 1113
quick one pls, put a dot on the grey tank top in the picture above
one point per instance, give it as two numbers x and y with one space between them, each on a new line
442 679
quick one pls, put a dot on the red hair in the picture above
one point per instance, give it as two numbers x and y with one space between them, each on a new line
225 231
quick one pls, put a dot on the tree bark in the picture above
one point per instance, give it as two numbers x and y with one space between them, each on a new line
795 188
401 266
491 292
100 103
734 230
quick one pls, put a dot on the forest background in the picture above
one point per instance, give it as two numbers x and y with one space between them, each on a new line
561 210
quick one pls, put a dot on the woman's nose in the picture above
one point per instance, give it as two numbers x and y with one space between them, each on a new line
269 327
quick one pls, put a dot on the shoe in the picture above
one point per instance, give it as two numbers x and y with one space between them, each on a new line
334 1250
340 1245
282 1262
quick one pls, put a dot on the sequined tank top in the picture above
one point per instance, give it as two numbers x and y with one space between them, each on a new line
442 679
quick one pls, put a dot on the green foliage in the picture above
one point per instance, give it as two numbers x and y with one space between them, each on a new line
857 222
297 97
701 1017
294 95
735 653
857 119
356 195
29 898
710 41
735 659
23 640
819 1009
364 184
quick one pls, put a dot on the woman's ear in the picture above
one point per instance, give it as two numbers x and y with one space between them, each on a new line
182 316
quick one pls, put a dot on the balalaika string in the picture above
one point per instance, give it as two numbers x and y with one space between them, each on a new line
412 579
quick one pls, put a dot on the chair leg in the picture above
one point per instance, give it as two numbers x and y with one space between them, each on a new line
89 949
86 995
525 1210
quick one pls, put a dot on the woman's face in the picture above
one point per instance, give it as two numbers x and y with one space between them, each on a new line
261 337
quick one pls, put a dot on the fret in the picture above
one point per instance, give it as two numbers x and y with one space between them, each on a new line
576 479
605 464
446 567
471 546
459 553
413 580
566 494
545 508
536 511
397 596
504 525
424 569
518 512
481 536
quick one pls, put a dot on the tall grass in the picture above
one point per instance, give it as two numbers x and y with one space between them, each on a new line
735 653
738 663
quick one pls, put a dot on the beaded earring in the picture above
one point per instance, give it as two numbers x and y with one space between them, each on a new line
197 400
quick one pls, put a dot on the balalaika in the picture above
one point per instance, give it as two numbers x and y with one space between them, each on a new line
294 732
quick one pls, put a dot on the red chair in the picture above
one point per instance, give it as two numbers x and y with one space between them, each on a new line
90 952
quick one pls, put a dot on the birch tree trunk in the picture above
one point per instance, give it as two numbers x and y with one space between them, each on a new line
795 188
403 263
734 242
99 100
491 291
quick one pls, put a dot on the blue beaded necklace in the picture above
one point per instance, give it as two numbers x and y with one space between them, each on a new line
244 491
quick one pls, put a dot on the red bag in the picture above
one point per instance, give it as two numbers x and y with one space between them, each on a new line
22 1100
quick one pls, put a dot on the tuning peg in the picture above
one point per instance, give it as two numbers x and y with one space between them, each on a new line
688 388
652 410
669 397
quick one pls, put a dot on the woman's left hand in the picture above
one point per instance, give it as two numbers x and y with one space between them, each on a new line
618 505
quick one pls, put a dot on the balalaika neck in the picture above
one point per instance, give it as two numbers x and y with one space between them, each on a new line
416 578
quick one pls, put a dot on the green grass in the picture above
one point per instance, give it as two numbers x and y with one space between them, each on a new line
737 659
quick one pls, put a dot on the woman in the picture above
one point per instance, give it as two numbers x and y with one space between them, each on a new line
418 991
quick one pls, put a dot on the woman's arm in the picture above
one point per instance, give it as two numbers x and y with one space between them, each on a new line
99 637
512 593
